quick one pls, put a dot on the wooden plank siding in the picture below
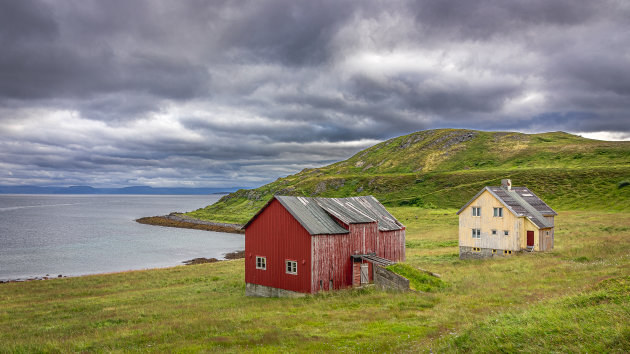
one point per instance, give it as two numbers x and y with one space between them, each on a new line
276 235
391 245
331 255
488 222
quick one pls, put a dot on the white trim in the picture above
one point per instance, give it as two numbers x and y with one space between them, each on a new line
261 263
290 267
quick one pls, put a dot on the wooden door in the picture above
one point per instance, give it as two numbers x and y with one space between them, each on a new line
365 278
530 238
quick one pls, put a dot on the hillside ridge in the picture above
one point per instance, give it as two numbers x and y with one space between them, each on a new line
442 168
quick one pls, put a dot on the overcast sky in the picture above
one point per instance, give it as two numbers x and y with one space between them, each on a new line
237 93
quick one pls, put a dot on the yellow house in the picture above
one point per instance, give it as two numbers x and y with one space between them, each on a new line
504 220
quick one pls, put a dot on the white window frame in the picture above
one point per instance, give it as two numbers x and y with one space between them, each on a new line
476 233
290 267
476 211
261 263
498 212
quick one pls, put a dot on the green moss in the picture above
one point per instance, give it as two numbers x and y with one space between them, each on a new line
418 280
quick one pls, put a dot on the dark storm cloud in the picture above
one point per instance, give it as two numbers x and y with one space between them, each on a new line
241 92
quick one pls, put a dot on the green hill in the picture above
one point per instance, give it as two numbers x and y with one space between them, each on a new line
444 168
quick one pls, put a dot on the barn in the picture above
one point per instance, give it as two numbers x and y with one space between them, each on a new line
297 245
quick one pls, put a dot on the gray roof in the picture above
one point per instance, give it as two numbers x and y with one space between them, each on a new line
314 214
521 202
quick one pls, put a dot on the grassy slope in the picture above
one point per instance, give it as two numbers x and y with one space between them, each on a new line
444 168
537 302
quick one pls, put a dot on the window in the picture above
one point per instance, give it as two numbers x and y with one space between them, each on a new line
498 212
547 233
506 233
291 267
476 249
507 252
494 251
476 233
476 211
261 263
494 232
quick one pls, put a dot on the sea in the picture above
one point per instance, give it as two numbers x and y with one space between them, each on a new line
73 235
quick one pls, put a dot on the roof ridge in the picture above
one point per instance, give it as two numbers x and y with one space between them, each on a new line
538 215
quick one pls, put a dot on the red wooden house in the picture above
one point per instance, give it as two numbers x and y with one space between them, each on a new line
303 245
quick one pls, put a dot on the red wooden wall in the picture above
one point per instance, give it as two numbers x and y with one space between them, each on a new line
391 245
332 255
275 234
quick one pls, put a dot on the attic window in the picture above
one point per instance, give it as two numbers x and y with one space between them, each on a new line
498 212
476 211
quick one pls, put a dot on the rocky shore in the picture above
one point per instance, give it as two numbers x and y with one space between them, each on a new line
232 255
183 221
45 277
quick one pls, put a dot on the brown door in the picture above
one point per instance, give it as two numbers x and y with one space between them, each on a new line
530 238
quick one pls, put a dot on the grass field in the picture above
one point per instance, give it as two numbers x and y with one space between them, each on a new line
573 299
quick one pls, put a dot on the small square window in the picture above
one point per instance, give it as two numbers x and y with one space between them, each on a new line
261 263
291 267
494 232
506 233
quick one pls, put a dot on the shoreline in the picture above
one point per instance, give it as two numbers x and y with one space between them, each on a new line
182 221
230 256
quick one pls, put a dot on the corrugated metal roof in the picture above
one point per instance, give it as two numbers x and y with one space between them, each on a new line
372 208
374 259
522 202
311 216
314 214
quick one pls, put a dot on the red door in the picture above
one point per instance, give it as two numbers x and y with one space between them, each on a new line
530 238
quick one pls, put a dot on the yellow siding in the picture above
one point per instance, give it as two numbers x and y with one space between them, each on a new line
487 222
529 226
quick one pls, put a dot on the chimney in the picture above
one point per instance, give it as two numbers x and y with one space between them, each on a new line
506 184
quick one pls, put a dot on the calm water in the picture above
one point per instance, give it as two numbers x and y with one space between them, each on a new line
87 234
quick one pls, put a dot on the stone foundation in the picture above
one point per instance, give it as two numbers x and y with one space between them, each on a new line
387 280
267 291
468 253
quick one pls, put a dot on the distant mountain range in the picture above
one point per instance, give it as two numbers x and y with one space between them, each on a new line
125 190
